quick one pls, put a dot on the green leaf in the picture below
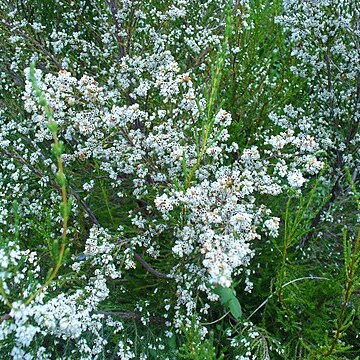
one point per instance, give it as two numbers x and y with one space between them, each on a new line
55 250
69 205
229 300
226 294
53 127
235 308
49 273
66 256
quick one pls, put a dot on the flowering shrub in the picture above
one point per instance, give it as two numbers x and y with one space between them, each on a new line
167 170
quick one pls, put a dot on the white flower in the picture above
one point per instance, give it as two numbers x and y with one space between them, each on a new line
296 179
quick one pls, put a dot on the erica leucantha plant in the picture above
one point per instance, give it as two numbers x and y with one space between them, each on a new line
175 178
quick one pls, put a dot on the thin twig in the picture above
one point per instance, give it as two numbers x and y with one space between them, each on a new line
148 267
286 284
5 318
127 315
217 320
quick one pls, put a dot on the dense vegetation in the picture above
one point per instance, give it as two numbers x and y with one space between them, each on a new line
179 179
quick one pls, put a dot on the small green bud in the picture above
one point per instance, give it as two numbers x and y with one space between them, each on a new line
42 99
53 127
58 148
65 210
61 179
49 112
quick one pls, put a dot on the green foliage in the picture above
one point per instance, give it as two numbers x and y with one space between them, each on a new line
195 348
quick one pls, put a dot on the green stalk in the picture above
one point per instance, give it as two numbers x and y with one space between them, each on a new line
65 204
351 268
217 76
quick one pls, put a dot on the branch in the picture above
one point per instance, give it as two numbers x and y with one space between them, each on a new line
149 268
335 192
119 39
5 318
127 315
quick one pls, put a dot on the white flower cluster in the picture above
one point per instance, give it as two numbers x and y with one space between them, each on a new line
99 250
219 215
23 282
64 316
323 36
